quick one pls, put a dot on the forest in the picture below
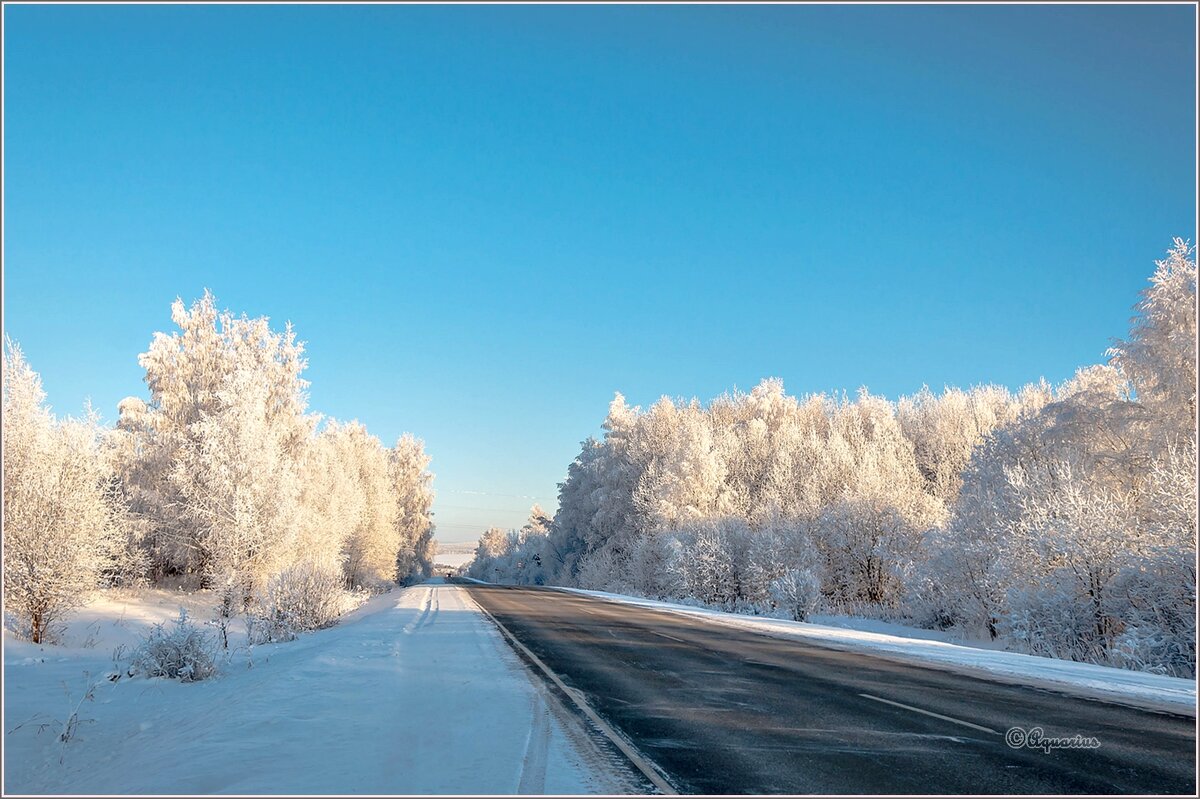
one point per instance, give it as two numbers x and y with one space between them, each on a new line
1058 520
219 479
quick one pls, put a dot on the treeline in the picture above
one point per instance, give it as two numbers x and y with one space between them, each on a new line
221 474
1059 519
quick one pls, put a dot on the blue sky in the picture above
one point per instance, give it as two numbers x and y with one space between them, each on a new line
486 220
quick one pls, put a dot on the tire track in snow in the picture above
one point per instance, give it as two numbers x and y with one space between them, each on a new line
431 613
417 623
537 746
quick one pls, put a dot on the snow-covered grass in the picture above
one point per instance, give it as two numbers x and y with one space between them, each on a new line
934 649
122 617
414 692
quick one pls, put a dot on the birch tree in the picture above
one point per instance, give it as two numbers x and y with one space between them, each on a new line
62 525
412 488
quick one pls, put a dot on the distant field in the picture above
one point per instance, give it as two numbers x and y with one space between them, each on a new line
455 553
453 559
458 547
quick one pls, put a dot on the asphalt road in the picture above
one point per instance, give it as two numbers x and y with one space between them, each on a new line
723 711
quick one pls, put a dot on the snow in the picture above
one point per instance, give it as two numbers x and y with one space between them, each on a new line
115 618
895 642
454 559
455 553
415 692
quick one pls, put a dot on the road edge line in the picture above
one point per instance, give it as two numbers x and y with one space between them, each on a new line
641 763
972 725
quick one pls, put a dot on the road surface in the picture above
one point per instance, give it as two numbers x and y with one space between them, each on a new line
721 710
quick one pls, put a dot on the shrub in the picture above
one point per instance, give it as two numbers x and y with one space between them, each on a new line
797 593
1158 603
1056 618
183 652
302 598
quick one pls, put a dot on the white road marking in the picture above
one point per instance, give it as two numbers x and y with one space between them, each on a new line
641 763
931 713
664 635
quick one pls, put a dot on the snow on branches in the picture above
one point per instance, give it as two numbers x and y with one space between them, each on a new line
1059 519
221 473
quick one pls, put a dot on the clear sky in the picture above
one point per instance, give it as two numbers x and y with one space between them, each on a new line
486 220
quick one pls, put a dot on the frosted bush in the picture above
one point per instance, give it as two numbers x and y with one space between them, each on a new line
710 565
303 598
603 570
1053 619
182 652
1145 650
1158 604
797 593
654 569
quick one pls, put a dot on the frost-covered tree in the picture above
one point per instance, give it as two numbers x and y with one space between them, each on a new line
1159 622
236 477
771 447
680 477
1159 357
1071 428
797 592
604 569
332 499
1059 518
216 370
63 533
221 473
528 555
720 475
412 487
578 502
617 512
493 545
372 545
1074 533
871 534
780 545
946 429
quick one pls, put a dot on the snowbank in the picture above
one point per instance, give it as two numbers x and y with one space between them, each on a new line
892 641
412 693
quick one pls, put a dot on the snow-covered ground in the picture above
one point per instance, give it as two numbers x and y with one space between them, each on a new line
912 645
455 553
413 693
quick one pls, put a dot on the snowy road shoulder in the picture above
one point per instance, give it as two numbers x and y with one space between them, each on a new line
414 693
1140 689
